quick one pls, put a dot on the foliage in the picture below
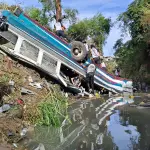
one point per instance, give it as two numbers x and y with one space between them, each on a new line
132 59
79 31
38 15
96 28
134 55
49 8
71 15
51 111
111 65
7 6
135 19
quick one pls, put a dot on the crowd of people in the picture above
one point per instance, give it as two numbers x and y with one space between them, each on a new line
96 61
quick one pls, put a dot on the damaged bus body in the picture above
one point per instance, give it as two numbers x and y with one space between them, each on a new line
30 42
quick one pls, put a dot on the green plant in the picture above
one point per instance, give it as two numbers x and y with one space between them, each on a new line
51 111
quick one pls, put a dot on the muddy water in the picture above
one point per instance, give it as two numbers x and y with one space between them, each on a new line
112 125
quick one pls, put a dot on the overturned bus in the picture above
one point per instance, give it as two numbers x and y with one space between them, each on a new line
28 41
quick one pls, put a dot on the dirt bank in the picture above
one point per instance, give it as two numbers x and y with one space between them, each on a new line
22 89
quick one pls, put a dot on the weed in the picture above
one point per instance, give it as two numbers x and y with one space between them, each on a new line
52 110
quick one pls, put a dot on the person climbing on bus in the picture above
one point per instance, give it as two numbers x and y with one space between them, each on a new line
87 49
90 77
59 29
95 55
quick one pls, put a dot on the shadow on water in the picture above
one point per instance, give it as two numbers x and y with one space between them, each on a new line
99 126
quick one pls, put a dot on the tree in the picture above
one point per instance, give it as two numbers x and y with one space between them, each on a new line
134 55
71 15
136 19
79 31
38 15
97 28
53 9
7 6
58 9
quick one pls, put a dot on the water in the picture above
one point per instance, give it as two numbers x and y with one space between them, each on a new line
100 126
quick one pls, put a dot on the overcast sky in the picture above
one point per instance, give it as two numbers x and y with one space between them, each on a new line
87 9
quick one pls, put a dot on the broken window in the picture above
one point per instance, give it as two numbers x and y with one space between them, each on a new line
8 39
29 50
49 63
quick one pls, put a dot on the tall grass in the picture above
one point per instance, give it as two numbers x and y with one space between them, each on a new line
51 111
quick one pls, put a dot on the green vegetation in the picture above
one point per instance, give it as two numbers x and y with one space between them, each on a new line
50 111
37 14
134 55
49 11
7 6
97 28
111 65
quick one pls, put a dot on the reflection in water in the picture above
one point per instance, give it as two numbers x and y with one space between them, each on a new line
94 128
122 132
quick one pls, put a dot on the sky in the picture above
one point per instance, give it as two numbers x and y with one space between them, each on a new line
87 9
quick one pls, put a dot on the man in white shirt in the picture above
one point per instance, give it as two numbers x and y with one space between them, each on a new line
95 55
58 27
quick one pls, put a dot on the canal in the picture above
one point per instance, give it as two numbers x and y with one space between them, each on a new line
99 125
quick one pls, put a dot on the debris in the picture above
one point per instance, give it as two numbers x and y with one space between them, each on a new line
66 95
4 108
11 84
110 94
99 139
30 79
131 96
36 85
95 127
141 103
20 102
10 133
23 132
26 91
91 95
15 145
40 147
4 90
97 95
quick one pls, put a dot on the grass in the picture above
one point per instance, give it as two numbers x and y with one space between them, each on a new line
45 108
51 111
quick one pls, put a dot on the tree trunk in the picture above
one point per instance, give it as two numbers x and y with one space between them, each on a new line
58 9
